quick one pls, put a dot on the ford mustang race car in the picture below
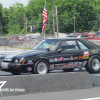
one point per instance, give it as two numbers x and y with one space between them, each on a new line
53 54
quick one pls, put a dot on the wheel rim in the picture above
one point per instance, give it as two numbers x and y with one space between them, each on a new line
95 64
42 68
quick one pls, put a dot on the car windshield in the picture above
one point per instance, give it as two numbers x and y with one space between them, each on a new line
48 43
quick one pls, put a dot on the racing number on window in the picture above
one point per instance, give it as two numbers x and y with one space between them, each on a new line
68 45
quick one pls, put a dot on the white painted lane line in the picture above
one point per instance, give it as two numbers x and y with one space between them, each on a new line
97 98
9 51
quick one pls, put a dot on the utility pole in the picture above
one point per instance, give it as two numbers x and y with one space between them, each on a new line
1 29
25 30
26 26
74 23
1 32
99 25
42 32
53 17
57 21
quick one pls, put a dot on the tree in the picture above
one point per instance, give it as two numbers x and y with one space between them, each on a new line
86 13
16 18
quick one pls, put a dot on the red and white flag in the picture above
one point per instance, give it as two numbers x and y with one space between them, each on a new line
44 14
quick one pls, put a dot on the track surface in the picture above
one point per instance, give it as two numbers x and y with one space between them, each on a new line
64 95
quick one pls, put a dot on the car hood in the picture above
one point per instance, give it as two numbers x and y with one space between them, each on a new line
26 53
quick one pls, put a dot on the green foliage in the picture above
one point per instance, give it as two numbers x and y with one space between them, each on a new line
23 31
16 19
96 27
86 13
1 12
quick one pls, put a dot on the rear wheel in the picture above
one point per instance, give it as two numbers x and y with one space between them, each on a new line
93 65
68 70
41 67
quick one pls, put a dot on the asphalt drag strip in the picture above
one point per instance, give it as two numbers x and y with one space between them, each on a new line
81 94
53 82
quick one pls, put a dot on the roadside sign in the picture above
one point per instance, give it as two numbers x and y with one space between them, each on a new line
80 30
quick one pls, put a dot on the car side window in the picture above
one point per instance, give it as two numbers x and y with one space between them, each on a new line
82 46
68 45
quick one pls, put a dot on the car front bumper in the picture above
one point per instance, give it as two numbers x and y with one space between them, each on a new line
12 67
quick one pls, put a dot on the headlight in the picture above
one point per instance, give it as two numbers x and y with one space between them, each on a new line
21 59
18 60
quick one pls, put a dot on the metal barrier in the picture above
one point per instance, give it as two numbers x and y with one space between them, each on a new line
29 44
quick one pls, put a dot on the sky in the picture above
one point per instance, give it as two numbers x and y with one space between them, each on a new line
7 3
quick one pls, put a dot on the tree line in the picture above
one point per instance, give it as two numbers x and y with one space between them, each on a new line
85 13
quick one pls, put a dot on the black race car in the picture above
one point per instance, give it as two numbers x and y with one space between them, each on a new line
55 53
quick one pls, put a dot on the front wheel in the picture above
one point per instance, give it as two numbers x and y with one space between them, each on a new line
93 65
41 67
68 70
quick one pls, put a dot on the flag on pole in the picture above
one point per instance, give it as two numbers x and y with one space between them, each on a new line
44 14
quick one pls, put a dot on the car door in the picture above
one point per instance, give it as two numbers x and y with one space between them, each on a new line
68 55
84 49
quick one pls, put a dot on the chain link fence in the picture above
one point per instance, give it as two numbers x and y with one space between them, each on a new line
28 44
19 41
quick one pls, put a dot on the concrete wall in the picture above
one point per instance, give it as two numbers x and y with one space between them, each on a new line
51 82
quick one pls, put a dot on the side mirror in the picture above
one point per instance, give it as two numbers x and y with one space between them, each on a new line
48 49
59 50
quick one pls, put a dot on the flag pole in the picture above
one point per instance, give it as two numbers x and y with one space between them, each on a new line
44 14
53 18
42 31
44 34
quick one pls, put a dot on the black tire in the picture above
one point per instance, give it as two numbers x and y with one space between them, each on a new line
1 69
41 67
16 73
68 70
93 65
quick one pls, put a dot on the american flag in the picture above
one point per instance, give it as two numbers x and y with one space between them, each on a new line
44 14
